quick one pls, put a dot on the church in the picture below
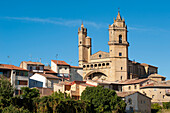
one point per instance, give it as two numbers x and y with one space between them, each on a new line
114 65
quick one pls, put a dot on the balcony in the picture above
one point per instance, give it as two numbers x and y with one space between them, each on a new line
38 71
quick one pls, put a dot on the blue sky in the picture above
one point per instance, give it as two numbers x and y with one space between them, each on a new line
34 29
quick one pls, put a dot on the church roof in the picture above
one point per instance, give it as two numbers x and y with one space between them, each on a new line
156 76
134 81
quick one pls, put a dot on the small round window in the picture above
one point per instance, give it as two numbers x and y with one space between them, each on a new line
100 56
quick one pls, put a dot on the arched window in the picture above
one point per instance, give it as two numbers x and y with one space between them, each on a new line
120 38
121 78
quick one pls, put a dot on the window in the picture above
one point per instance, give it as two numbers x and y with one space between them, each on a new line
135 86
17 73
107 64
95 65
152 96
130 101
129 87
65 68
121 68
121 78
163 96
99 65
92 66
84 66
87 65
120 54
100 56
37 68
120 38
80 42
103 64
30 68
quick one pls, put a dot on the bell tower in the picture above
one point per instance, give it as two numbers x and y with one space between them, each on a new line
84 45
118 48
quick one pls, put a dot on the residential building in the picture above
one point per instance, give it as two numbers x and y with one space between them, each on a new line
33 67
115 64
136 102
16 75
67 71
44 80
74 89
159 92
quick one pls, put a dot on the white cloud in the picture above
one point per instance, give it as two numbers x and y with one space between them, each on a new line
57 21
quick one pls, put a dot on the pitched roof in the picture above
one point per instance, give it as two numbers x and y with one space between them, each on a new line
50 76
59 62
124 94
156 76
34 63
76 67
134 81
11 67
157 85
144 64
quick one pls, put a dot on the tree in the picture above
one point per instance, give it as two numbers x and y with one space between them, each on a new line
103 99
6 92
28 98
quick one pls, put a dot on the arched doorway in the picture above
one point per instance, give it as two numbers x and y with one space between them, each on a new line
95 76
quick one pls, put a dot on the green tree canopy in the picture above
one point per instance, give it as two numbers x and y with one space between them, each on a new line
103 99
6 92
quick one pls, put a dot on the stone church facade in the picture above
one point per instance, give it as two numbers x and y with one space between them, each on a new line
115 64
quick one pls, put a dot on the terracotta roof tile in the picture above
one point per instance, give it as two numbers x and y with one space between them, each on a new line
156 76
59 62
156 85
124 94
50 76
34 63
134 81
11 67
76 67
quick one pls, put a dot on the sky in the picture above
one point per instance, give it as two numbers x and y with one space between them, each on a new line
47 29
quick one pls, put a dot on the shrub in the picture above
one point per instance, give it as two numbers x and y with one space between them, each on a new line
166 105
13 109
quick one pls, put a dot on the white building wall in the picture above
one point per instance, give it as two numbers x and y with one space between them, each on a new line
54 67
40 78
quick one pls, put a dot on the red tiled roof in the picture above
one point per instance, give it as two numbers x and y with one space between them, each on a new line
134 81
76 67
156 76
34 63
156 85
59 62
50 76
124 94
49 71
144 64
11 67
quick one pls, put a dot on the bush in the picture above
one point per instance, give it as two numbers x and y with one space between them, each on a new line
155 107
13 109
166 105
62 103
